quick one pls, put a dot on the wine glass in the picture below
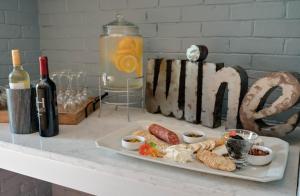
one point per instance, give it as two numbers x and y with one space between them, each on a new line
77 98
84 94
238 144
71 104
60 94
84 90
61 86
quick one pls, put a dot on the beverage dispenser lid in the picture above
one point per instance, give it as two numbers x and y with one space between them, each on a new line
120 26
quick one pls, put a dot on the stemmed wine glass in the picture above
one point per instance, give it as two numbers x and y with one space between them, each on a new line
61 95
77 93
70 104
82 78
57 77
72 90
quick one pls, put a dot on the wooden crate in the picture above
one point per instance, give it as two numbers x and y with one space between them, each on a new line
67 118
3 116
82 113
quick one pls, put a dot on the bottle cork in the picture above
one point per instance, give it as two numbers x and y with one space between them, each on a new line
16 57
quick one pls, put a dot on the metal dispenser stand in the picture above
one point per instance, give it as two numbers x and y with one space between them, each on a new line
120 97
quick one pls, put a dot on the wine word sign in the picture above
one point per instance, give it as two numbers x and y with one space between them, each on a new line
194 91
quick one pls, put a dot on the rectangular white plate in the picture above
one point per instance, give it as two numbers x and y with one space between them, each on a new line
273 171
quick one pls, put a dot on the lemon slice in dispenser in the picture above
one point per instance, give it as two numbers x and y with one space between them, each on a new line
126 63
127 43
128 55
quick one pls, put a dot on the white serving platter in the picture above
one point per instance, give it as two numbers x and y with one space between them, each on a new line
273 171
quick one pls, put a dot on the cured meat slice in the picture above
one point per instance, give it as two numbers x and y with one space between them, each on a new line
164 134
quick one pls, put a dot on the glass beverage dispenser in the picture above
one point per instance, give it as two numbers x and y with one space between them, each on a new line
121 55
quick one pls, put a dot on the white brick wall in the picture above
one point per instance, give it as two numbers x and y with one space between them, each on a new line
293 8
227 28
79 5
162 44
142 3
259 35
292 46
277 28
113 4
257 45
9 31
205 13
179 29
164 15
226 1
165 3
282 62
9 5
52 6
19 29
263 10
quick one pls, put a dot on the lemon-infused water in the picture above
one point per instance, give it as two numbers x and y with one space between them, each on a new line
121 59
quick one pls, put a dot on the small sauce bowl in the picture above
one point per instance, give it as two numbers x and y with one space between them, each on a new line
191 137
132 142
260 159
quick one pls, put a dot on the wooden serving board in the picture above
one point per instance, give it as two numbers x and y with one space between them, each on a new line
67 118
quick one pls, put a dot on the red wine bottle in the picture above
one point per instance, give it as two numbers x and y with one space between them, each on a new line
46 102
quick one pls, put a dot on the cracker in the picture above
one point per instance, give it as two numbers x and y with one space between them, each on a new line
215 161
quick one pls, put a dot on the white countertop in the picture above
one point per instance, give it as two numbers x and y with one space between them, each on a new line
71 159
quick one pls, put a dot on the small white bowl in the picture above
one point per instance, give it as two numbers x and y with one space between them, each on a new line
132 145
191 140
260 160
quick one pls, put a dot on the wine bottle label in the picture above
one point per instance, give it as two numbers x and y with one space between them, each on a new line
41 108
18 85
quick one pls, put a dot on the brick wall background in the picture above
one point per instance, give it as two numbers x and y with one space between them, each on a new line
19 28
259 35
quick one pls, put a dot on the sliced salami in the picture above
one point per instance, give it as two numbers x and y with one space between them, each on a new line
164 134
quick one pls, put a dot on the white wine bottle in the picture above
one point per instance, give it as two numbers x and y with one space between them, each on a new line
18 78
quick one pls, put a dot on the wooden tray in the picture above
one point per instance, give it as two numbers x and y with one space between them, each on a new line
3 116
67 118
82 113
